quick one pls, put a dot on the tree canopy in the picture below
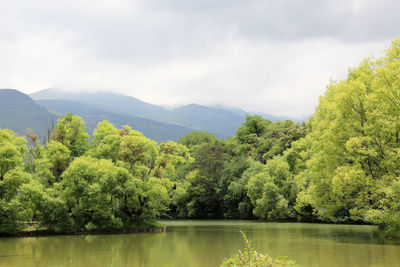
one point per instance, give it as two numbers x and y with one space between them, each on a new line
343 165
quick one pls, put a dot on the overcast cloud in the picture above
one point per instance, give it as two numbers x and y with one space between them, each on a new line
265 56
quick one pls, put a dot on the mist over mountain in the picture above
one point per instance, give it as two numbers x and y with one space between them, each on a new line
112 102
220 121
271 117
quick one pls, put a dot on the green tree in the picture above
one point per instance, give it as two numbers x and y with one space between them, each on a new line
279 137
70 131
138 150
93 190
201 185
54 160
262 139
106 141
12 176
13 211
103 130
12 149
195 138
352 162
172 156
273 191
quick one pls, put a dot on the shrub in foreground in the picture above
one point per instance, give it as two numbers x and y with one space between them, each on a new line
251 258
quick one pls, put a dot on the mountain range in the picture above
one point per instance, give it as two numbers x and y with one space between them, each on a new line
21 114
92 116
39 110
222 123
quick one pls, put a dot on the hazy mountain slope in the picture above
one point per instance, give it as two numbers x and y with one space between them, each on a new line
271 117
19 113
112 102
219 122
92 116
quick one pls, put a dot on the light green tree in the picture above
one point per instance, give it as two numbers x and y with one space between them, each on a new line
70 131
54 160
12 176
352 163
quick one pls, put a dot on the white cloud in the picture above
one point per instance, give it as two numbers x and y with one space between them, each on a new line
262 56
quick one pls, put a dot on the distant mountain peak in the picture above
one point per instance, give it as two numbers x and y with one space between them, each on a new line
219 120
13 91
19 113
10 90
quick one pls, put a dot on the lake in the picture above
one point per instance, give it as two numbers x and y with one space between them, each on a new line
206 243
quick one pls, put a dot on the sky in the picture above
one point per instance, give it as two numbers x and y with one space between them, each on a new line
268 56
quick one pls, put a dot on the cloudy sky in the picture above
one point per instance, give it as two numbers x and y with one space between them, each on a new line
260 55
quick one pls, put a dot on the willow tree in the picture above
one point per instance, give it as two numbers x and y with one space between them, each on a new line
12 177
70 131
352 165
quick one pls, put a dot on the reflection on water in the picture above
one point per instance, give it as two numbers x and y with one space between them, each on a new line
206 243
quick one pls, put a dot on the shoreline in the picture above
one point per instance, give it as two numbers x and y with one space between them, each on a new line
40 233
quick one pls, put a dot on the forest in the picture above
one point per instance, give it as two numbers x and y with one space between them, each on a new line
341 166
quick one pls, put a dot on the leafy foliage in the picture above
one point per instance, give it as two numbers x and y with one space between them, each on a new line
75 185
342 166
70 131
224 177
351 155
251 258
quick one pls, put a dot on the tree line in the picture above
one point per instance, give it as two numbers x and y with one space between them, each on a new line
342 166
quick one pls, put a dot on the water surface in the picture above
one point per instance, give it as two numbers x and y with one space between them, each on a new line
206 243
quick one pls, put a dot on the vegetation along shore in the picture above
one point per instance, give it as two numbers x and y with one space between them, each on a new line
341 166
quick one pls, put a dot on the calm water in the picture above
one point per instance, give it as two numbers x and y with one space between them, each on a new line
206 243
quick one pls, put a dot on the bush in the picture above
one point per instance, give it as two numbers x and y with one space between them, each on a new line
251 258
